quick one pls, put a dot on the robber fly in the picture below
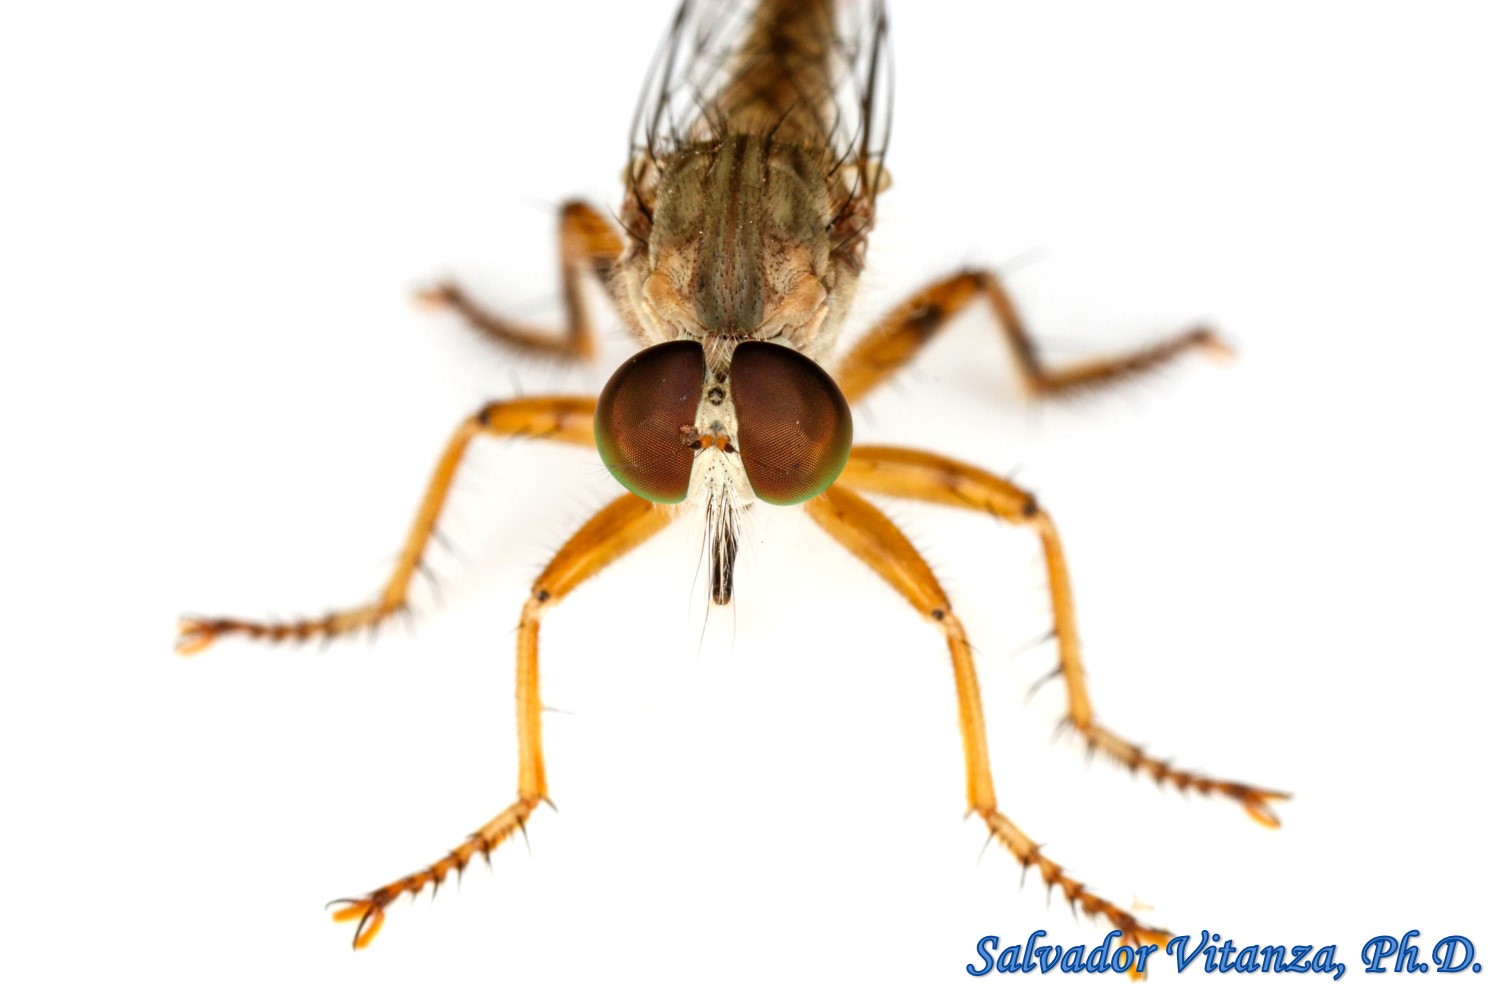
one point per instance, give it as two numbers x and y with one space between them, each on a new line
758 155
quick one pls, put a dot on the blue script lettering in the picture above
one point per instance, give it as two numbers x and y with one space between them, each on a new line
1226 957
1098 960
989 959
1010 960
1028 964
1323 962
1185 957
1378 949
1444 953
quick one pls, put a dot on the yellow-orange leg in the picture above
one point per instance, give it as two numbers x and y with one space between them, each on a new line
917 475
554 418
609 534
870 535
588 245
907 328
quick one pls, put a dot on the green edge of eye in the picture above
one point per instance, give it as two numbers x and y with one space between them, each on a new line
621 474
609 453
842 445
638 416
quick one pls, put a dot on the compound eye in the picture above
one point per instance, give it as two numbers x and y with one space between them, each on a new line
794 426
639 420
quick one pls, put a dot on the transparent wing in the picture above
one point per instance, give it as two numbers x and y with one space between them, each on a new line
815 73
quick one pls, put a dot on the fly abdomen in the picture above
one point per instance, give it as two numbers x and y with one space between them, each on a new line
781 79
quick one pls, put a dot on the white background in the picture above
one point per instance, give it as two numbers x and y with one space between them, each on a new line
218 398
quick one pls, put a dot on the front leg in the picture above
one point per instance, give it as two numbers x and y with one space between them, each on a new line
609 534
867 533
588 246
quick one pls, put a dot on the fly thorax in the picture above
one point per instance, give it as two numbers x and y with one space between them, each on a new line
739 246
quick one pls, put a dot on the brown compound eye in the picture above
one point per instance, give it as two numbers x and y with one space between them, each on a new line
794 425
640 416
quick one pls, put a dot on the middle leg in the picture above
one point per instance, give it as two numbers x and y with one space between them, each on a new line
918 475
567 419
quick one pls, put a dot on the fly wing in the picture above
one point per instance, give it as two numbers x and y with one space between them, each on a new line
812 72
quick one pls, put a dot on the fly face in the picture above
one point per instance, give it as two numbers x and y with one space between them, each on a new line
769 423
